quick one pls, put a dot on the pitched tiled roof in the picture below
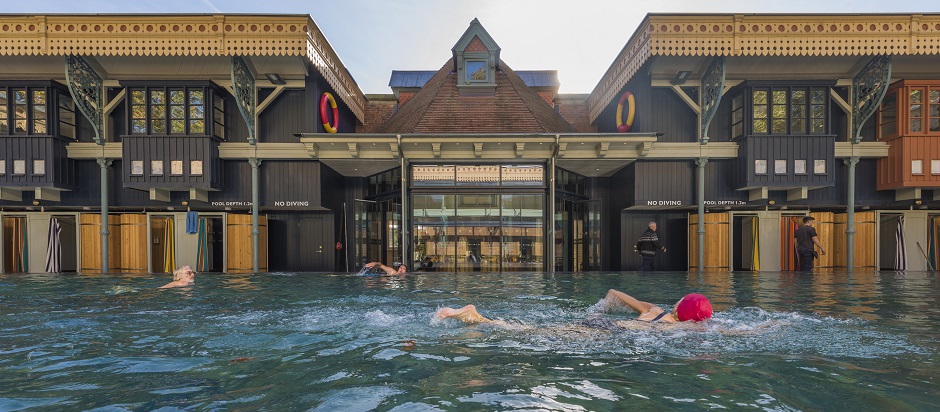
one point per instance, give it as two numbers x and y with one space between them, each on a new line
439 108
417 78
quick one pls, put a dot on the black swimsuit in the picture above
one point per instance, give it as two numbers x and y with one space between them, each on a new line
607 324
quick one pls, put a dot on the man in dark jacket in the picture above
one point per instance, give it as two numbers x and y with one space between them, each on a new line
647 246
806 238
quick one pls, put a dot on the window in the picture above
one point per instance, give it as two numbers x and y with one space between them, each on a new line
799 167
24 111
195 167
19 111
760 167
476 71
935 167
39 167
737 116
137 167
156 167
38 109
3 167
784 110
780 167
218 116
67 119
888 116
917 167
4 117
171 111
819 167
19 167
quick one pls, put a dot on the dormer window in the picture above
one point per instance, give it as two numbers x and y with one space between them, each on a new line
777 109
175 111
476 71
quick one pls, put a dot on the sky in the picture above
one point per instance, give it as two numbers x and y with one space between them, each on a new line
579 38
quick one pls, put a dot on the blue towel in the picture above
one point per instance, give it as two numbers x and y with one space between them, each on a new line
192 222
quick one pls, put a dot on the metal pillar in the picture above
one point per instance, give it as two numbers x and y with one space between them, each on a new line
104 163
851 162
405 240
551 214
255 233
700 164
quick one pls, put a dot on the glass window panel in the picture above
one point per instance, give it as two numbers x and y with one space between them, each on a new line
523 175
196 112
39 167
760 112
737 102
760 167
433 175
139 127
819 111
19 109
19 167
917 167
4 120
780 126
798 97
195 167
818 96
158 126
760 126
916 110
819 167
799 167
935 96
760 96
819 126
435 235
780 167
195 97
39 104
39 127
158 112
156 167
935 167
797 126
737 129
478 175
157 97
137 97
780 97
916 125
522 227
3 167
197 126
476 70
176 97
219 102
935 110
67 130
139 112
737 116
177 126
176 167
935 125
177 112
137 167
780 111
798 110
917 96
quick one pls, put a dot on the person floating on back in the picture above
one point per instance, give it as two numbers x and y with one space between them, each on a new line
647 246
183 276
691 308
806 238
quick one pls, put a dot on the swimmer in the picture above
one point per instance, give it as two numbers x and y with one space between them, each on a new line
402 269
692 307
182 277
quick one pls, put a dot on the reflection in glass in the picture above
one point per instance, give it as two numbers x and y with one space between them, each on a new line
477 224
522 228
435 232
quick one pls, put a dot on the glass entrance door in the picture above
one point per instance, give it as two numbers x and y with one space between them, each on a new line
478 232
577 235
377 228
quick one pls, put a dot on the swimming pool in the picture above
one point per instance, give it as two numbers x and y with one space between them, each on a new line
290 341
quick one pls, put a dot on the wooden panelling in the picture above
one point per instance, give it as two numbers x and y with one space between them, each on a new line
168 149
788 148
284 117
239 243
865 232
825 226
717 233
90 241
895 171
59 169
134 243
656 181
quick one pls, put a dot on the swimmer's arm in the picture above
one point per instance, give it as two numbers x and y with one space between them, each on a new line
616 297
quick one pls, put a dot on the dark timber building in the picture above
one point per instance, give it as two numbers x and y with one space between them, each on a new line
725 129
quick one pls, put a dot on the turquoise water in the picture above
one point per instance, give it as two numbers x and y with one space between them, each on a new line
284 341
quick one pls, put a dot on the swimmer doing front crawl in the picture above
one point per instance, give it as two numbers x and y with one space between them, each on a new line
692 307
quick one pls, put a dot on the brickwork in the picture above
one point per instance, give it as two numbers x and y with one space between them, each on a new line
379 109
574 109
476 45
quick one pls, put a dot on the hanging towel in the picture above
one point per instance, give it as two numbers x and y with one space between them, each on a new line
169 244
54 247
192 222
900 254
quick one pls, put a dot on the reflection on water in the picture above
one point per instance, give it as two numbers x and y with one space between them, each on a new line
783 341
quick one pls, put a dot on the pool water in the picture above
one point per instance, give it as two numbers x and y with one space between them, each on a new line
303 341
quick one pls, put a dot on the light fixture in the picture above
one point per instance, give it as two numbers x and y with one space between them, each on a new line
36 203
771 202
275 78
916 202
185 203
680 77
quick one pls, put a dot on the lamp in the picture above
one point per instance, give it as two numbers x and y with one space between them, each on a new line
918 201
36 203
771 202
185 203
275 78
681 77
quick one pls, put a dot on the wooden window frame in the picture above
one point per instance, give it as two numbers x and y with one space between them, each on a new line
208 124
748 90
901 91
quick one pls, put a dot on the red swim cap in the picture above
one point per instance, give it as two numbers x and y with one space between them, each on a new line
694 307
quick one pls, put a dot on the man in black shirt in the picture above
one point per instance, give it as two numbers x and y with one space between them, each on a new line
647 246
806 237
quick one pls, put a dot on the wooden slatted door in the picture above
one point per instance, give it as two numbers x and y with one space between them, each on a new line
717 240
239 243
825 226
865 232
90 241
134 243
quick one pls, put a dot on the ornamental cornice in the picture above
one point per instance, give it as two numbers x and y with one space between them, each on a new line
767 35
180 35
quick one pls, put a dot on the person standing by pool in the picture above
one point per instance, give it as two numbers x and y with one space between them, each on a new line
692 307
647 246
182 277
806 238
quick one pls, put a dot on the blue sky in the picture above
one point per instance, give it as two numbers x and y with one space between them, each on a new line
579 38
